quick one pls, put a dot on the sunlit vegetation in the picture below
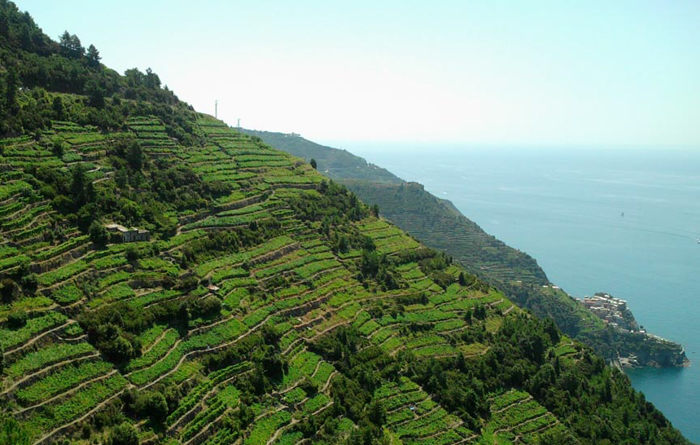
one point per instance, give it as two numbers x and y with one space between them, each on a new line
269 305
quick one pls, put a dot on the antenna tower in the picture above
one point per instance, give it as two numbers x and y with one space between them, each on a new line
216 109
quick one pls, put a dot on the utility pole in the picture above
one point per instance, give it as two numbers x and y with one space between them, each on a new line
216 109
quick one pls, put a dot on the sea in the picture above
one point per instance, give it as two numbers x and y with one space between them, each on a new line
621 220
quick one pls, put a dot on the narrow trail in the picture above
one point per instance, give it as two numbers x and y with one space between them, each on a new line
172 348
208 426
525 422
293 422
417 417
203 351
46 370
296 384
517 402
66 393
68 254
97 407
27 208
28 226
39 337
155 342
540 429
192 412
454 426
177 343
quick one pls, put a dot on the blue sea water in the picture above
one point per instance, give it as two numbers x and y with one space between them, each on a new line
624 221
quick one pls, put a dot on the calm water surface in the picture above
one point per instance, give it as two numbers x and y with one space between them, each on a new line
623 221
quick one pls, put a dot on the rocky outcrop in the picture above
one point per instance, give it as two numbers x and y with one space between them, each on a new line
643 349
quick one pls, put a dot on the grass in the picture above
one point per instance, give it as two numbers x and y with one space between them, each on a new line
46 356
156 352
55 276
146 375
266 427
13 188
315 403
294 396
27 304
59 413
60 381
68 294
11 338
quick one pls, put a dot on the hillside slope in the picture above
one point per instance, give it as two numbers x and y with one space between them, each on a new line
438 224
253 301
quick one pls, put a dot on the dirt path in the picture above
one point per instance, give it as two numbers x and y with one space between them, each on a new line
213 348
192 412
28 226
65 393
155 342
403 422
525 422
38 337
48 369
27 208
540 429
436 434
175 345
97 407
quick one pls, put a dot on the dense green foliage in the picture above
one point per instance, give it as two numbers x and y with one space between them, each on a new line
266 304
34 64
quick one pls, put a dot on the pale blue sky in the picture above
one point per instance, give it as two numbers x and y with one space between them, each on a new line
518 72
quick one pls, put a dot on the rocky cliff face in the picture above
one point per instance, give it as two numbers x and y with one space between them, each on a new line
650 350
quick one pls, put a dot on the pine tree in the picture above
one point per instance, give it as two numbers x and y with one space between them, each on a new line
70 45
93 56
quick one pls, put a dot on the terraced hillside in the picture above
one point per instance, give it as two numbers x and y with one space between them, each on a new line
407 204
438 224
262 304
226 320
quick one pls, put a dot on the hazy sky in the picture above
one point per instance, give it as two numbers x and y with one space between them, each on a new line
524 72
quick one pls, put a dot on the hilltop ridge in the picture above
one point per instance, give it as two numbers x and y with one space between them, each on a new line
263 304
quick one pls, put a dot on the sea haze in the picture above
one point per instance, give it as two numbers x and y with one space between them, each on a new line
624 221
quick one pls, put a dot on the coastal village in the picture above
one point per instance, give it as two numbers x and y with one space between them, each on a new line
613 311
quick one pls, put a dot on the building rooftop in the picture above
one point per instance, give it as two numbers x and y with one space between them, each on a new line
114 226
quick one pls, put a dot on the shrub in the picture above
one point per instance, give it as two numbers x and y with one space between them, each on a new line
98 233
29 283
11 433
308 386
58 147
209 305
152 405
132 254
17 319
124 434
8 290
